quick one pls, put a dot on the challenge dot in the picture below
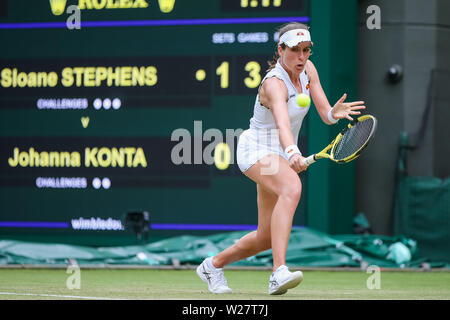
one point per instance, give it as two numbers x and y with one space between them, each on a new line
96 183
107 103
200 75
116 103
97 103
106 183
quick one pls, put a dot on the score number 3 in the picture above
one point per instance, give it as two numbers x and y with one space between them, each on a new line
253 68
252 81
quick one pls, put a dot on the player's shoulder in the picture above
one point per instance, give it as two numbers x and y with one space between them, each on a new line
310 67
273 83
311 70
273 88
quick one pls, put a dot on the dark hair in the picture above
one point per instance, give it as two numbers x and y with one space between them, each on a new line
283 29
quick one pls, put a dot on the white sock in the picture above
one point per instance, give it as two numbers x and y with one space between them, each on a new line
210 264
283 266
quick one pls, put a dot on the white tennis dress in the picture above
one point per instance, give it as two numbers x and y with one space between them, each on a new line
262 139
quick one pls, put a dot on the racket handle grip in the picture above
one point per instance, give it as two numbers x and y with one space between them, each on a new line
309 160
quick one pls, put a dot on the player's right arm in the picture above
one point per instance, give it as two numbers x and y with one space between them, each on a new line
273 94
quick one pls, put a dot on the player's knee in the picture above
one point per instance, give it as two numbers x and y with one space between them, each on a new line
264 241
292 191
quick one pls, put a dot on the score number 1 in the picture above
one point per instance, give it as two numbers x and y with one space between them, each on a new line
252 81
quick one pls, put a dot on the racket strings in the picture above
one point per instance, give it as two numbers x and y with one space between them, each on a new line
353 139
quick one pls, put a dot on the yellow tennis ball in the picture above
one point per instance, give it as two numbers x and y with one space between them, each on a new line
303 100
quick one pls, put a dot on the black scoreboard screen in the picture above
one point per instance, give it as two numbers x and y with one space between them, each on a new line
116 106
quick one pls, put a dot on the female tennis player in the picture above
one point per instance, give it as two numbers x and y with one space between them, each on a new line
267 153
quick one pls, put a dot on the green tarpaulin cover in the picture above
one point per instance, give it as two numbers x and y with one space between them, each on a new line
306 248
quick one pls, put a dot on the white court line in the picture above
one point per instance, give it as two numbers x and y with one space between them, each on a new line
56 296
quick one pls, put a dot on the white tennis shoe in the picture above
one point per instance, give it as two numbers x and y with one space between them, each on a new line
282 279
214 277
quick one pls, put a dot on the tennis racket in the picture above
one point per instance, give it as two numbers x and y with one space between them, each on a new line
349 143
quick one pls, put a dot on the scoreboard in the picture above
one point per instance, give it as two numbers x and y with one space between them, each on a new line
112 106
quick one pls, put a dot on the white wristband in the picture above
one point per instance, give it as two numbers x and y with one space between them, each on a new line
330 117
291 150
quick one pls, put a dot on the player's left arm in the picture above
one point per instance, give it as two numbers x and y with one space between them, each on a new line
340 110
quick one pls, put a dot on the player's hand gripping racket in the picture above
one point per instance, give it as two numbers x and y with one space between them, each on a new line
349 143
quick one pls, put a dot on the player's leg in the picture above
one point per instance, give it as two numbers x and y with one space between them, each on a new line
255 241
211 271
285 184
